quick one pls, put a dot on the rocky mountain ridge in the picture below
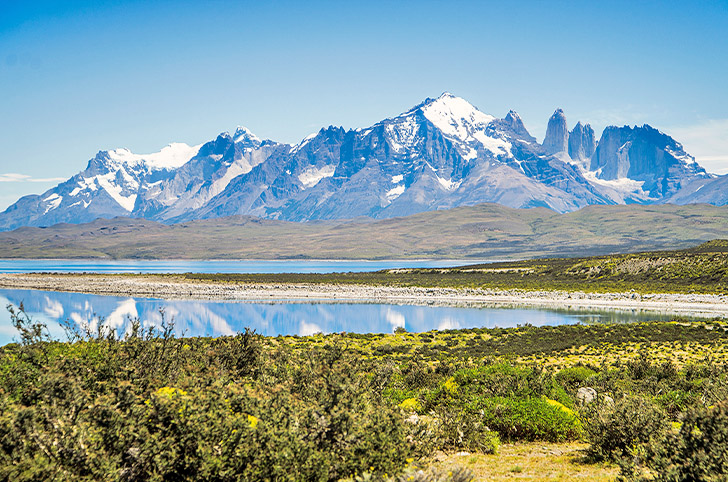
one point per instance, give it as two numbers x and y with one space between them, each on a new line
441 154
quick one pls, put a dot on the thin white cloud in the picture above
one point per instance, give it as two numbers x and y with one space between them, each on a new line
15 177
707 141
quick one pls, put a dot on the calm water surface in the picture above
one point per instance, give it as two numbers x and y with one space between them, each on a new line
218 318
182 266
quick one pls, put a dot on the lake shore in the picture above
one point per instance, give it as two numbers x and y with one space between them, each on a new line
171 287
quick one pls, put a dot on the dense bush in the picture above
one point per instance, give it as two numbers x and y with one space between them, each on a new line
151 407
616 431
574 378
699 451
529 418
148 406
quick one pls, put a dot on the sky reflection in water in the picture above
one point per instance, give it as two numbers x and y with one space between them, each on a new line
219 318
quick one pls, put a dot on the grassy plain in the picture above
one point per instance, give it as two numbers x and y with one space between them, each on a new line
533 461
485 231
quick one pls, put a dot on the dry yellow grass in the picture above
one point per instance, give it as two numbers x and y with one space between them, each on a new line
532 461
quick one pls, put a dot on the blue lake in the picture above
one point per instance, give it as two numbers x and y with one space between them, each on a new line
219 318
184 266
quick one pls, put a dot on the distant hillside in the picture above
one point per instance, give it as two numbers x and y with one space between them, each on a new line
485 231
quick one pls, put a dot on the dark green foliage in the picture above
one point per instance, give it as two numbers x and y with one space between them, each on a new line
699 451
152 407
574 378
616 431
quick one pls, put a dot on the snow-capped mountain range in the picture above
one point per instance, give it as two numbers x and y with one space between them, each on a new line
441 154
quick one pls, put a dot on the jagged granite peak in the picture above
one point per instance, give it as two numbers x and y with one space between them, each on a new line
557 134
512 125
646 155
582 143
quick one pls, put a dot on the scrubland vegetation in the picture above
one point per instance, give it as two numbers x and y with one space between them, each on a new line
359 407
702 269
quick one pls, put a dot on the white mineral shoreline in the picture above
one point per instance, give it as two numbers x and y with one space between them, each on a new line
179 288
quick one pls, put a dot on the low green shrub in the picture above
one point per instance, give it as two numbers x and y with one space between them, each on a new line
677 402
574 378
528 418
616 431
457 429
699 451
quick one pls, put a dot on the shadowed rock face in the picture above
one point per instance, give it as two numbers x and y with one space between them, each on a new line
645 154
442 153
557 134
582 142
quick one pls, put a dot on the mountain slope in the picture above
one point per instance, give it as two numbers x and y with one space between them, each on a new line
109 186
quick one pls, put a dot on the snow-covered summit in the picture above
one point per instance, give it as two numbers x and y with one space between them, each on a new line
171 156
243 134
462 123
455 116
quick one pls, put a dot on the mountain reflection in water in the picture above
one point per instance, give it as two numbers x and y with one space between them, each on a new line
221 318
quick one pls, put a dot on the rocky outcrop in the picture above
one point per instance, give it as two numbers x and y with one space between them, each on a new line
582 143
646 155
557 134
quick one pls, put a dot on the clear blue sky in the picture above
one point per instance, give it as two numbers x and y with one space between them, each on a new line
77 77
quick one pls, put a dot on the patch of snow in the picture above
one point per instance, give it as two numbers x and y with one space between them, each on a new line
303 142
621 188
54 200
395 192
449 184
114 190
455 116
243 133
495 145
170 157
313 175
430 166
90 183
236 169
397 179
402 135
459 120
681 156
